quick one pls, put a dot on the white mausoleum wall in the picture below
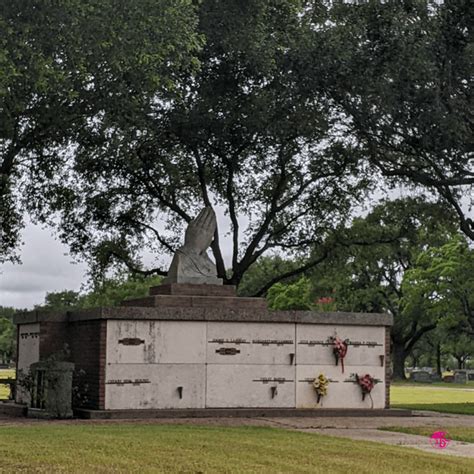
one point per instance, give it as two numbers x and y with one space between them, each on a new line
198 364
28 353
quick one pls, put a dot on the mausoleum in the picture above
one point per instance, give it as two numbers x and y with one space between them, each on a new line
193 345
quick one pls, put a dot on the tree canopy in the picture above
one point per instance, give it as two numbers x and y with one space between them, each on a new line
110 292
71 71
242 134
401 78
119 120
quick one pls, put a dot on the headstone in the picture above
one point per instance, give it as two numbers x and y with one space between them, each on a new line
421 376
460 376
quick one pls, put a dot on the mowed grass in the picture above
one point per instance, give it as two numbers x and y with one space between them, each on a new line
458 433
446 400
155 448
469 385
4 389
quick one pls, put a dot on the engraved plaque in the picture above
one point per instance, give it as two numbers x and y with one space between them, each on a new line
131 341
228 351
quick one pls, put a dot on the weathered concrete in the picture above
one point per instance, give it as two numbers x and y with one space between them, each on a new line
195 290
246 365
342 390
56 389
275 416
183 301
156 342
208 314
254 343
155 386
250 386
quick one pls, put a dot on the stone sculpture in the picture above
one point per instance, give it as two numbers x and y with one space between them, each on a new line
190 263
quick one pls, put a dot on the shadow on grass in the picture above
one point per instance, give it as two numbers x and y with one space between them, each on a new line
456 408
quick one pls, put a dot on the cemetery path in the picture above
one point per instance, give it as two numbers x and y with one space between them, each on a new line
367 429
454 448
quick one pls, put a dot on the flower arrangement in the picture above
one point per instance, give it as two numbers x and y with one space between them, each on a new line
366 383
320 384
339 348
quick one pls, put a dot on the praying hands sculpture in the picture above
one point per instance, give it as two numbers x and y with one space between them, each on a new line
190 263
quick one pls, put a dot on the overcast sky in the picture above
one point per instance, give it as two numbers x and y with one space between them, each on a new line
45 266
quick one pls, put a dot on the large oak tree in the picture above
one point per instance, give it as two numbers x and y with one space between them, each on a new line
244 134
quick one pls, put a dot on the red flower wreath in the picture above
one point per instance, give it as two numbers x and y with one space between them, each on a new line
366 383
339 347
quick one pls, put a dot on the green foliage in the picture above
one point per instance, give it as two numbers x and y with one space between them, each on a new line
460 346
7 333
7 339
291 296
111 292
62 300
441 284
367 269
73 72
245 131
402 82
264 270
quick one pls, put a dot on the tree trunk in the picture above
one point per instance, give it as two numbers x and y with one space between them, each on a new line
399 357
438 359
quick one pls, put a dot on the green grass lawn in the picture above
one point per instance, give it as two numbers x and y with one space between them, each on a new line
459 434
419 397
155 448
469 385
4 389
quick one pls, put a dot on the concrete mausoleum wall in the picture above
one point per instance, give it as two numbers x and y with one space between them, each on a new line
207 355
169 364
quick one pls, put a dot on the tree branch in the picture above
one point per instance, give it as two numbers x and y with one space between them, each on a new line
292 273
133 268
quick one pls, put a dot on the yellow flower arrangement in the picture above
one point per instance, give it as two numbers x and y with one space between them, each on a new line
321 384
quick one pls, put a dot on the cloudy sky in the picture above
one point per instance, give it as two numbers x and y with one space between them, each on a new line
46 266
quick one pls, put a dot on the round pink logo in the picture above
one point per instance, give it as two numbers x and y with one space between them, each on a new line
439 439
